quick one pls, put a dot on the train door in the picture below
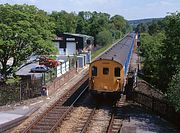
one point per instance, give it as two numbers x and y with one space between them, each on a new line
106 78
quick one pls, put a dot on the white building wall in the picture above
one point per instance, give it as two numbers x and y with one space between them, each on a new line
62 51
62 68
70 48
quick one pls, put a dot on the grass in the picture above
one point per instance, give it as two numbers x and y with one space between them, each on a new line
12 80
94 54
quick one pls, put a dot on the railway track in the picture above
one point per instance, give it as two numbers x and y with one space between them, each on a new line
114 125
93 116
117 117
54 115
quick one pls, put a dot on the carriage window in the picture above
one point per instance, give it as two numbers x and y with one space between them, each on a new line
94 71
117 72
105 71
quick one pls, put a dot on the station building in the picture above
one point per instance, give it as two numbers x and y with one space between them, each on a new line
69 44
74 48
74 51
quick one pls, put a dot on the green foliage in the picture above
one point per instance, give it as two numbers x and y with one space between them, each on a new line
161 53
150 49
145 21
170 50
24 30
9 95
173 91
104 38
13 80
83 22
119 23
90 23
99 51
153 28
161 50
141 28
98 22
64 22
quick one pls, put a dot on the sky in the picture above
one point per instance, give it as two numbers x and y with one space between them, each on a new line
129 9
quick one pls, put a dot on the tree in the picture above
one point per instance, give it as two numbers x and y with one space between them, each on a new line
98 22
104 37
150 49
142 27
170 50
173 91
161 51
64 22
83 22
24 30
153 28
119 23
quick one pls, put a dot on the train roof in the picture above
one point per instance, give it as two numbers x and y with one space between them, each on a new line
119 51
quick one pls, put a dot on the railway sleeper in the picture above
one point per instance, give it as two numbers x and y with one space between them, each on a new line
61 107
52 115
87 115
55 111
51 123
38 131
115 131
82 120
117 121
48 120
116 127
81 124
40 127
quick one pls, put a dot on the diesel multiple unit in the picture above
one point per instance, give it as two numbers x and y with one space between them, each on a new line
108 72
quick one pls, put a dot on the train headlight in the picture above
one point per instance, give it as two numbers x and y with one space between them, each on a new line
118 80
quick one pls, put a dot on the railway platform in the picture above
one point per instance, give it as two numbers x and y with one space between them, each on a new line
33 108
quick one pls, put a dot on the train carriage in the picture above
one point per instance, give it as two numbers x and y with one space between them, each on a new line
108 72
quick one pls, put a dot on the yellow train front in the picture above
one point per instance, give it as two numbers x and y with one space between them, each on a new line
108 73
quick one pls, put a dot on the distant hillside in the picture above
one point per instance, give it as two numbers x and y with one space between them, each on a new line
136 22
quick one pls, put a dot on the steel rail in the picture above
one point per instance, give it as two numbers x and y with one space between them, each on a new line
68 111
58 102
84 129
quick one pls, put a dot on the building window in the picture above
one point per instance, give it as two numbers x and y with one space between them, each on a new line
105 71
94 71
117 72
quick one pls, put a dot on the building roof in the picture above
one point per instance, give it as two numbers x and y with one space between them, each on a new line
26 70
79 35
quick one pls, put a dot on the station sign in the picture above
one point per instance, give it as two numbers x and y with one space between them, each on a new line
70 39
59 38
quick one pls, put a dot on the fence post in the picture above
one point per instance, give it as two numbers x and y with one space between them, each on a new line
20 91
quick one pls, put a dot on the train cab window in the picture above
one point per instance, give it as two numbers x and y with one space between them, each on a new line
94 71
105 71
117 72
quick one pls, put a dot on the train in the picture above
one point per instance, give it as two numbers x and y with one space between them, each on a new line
108 73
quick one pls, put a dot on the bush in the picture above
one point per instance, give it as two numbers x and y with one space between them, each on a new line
173 91
104 37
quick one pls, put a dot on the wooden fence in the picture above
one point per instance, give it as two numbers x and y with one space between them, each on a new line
20 91
32 88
